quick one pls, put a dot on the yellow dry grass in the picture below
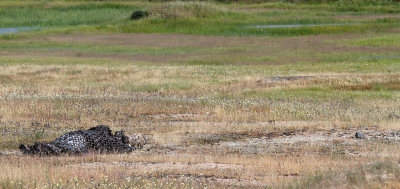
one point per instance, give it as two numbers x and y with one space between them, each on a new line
212 126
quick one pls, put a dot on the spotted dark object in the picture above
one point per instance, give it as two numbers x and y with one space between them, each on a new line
98 139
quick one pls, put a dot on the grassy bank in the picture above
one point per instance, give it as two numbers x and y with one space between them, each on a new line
201 18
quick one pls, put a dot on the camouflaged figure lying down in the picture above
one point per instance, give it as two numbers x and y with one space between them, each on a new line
98 139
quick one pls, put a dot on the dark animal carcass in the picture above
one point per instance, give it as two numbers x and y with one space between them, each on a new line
98 139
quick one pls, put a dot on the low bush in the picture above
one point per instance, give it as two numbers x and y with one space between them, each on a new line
138 14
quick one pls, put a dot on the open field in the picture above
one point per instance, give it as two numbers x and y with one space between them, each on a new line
223 99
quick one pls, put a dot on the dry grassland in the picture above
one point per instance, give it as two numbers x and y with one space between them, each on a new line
254 123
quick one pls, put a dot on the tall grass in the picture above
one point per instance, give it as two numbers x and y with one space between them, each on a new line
41 16
191 9
203 18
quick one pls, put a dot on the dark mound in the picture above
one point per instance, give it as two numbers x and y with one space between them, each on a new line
138 14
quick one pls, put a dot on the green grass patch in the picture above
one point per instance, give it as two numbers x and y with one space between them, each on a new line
231 25
108 49
12 61
353 7
350 64
317 92
221 68
359 57
227 60
57 16
190 18
387 40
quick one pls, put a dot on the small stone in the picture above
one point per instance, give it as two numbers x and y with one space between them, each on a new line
360 135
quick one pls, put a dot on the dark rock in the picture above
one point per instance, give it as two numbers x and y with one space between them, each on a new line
138 14
360 135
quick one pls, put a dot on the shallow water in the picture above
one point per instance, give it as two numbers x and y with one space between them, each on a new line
15 30
300 25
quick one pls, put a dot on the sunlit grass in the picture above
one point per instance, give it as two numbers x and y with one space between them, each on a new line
387 40
108 49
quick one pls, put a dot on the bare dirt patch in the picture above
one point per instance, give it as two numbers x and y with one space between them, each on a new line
289 142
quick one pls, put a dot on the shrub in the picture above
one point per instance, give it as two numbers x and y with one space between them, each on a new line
138 14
